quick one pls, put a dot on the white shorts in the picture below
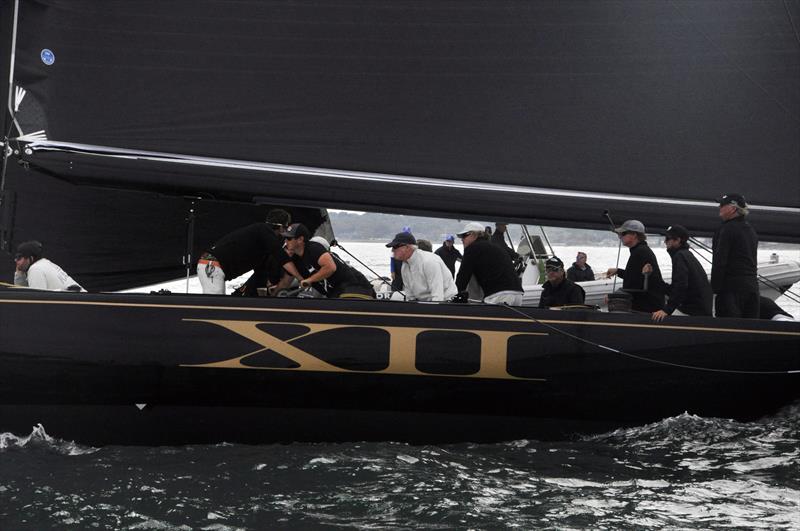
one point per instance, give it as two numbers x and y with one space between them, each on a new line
512 298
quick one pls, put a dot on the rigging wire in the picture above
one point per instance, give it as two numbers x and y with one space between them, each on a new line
607 214
634 356
791 21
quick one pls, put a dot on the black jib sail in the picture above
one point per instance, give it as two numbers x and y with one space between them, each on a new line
539 111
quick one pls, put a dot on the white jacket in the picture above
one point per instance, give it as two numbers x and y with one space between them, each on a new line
426 278
44 274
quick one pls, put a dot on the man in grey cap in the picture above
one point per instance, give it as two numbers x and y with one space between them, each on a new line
649 298
734 270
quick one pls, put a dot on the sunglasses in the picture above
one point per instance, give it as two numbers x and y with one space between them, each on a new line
18 257
621 234
396 247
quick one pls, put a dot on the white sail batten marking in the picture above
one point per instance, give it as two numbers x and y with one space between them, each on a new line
19 95
266 167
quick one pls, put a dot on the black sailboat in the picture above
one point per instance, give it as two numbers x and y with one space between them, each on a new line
154 121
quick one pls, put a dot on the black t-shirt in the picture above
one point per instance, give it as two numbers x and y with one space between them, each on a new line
248 248
308 264
449 255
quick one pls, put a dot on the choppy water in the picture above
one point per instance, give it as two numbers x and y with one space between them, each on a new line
683 472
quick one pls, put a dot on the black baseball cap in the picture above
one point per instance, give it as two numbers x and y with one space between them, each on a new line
29 249
733 199
295 230
677 231
554 263
402 238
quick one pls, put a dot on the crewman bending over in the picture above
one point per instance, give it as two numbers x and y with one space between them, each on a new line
328 273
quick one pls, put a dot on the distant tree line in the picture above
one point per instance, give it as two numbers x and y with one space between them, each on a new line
349 226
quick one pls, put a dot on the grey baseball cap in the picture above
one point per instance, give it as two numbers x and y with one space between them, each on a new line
631 225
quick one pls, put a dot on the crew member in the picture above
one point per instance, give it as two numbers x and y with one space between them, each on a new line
244 249
690 292
649 298
580 270
734 269
37 272
493 271
498 238
272 273
328 273
558 290
425 275
449 254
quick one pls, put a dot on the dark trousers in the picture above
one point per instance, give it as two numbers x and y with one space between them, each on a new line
739 303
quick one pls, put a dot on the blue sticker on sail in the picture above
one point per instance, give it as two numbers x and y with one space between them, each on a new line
48 57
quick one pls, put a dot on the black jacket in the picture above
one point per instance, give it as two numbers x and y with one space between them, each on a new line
633 280
248 248
576 274
565 293
499 239
491 267
735 264
449 257
690 291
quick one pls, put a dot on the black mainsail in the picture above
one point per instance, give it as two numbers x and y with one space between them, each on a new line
538 111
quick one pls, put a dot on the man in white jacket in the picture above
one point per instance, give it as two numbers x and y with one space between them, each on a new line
425 275
36 272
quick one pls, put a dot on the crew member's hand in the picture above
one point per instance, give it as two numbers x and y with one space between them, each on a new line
647 269
305 283
659 315
611 271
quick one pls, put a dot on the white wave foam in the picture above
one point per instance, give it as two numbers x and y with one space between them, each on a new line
38 438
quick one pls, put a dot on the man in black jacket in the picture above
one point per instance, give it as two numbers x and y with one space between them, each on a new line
734 270
251 247
690 292
649 298
492 268
580 270
449 254
498 238
559 290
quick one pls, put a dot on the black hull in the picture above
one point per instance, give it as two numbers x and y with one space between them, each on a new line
138 369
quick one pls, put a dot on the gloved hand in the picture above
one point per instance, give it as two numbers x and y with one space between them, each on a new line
461 298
